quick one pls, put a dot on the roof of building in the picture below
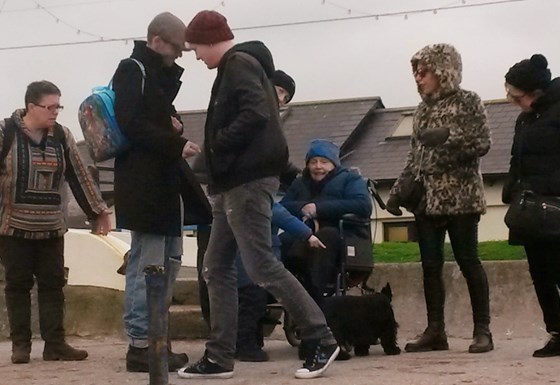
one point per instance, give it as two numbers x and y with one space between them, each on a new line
364 128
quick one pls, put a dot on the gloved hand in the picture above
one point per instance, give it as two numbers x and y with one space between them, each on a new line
431 137
392 206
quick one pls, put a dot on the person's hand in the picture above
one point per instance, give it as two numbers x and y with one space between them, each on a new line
309 210
313 241
190 149
103 223
392 206
177 125
431 137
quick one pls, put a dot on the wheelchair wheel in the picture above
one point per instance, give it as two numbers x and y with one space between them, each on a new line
290 330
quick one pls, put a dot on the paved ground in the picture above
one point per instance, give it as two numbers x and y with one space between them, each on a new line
510 363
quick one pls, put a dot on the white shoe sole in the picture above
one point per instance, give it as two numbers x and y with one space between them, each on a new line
181 373
306 374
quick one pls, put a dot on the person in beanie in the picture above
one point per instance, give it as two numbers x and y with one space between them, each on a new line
324 193
535 166
38 155
148 175
252 297
245 153
448 138
285 87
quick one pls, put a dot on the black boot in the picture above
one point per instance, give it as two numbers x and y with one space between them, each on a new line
477 283
51 322
434 337
19 315
252 307
552 347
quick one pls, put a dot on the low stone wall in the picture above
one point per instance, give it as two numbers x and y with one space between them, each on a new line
514 308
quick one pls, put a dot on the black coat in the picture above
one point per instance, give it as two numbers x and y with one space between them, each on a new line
148 175
535 154
243 139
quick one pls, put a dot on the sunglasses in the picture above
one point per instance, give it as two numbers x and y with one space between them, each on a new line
422 72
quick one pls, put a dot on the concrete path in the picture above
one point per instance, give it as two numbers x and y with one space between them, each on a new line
509 363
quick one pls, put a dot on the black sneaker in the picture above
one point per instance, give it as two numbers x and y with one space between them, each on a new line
318 361
552 347
205 368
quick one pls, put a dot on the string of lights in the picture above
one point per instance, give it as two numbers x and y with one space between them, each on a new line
64 5
60 21
126 40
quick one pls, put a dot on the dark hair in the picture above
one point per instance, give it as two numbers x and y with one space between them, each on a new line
530 74
36 90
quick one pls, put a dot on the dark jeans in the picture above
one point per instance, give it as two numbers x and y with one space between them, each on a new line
315 267
544 266
24 260
463 234
242 218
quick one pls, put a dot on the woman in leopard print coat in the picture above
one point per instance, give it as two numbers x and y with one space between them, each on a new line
449 136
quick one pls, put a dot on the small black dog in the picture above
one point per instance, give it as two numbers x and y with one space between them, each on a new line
360 321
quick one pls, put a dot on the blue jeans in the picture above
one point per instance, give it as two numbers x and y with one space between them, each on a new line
146 249
242 218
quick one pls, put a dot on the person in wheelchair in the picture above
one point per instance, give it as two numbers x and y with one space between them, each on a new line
324 193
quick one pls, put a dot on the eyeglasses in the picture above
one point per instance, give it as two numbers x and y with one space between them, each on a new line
54 108
176 47
514 98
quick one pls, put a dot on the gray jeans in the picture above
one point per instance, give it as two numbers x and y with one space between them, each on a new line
242 218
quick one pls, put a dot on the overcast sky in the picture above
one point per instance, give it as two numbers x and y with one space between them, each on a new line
351 58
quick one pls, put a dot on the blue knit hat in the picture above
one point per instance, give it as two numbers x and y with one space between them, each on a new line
323 148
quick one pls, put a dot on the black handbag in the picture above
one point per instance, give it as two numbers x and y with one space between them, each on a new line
412 195
534 215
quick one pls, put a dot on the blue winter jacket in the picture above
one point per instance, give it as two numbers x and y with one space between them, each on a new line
345 192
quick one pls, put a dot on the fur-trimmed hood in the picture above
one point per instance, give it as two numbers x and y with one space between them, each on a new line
445 62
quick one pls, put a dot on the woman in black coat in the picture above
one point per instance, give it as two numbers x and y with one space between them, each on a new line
535 165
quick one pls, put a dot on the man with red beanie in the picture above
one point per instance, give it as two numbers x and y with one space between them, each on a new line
245 153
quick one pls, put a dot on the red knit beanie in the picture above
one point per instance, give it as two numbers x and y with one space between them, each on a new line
208 27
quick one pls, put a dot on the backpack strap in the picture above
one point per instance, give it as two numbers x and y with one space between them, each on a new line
9 135
142 69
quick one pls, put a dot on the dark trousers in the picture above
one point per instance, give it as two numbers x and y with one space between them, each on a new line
315 267
202 239
25 260
463 234
544 266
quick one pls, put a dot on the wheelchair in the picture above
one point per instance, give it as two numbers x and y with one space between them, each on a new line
355 265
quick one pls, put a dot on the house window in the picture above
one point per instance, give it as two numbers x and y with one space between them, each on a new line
404 126
400 232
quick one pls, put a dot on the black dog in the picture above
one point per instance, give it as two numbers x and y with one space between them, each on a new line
360 321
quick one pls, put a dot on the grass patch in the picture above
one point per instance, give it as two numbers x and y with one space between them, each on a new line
402 252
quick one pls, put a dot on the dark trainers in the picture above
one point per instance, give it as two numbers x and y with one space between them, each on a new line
318 361
552 347
205 368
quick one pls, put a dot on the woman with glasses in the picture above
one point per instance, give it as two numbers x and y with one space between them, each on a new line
449 137
535 165
38 155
